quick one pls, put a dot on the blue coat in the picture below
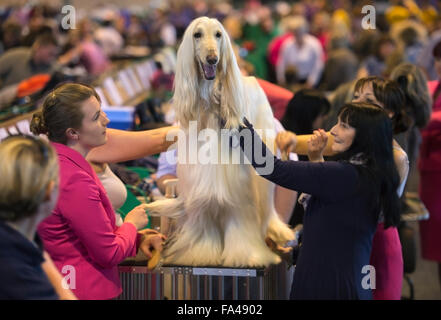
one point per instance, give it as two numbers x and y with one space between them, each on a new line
21 275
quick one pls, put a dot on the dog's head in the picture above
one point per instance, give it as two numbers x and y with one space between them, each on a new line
205 45
207 40
206 58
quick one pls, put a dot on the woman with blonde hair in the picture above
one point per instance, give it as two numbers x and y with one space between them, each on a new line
28 193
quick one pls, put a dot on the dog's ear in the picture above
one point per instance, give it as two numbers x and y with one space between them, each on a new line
186 78
233 102
228 59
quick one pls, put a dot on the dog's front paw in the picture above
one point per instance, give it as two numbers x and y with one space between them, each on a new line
251 257
279 232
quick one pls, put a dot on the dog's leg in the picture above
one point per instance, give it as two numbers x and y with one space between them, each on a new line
195 243
274 228
279 231
245 245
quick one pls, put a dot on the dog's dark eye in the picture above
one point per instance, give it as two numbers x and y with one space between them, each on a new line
197 35
218 34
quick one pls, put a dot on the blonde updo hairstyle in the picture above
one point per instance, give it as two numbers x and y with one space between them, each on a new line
62 110
27 166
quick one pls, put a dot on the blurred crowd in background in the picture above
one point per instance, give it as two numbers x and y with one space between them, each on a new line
334 45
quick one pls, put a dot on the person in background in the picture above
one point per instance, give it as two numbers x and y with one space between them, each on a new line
257 37
28 193
275 46
413 83
430 175
37 23
233 26
386 255
10 35
435 86
108 38
81 231
304 52
412 43
161 30
426 60
21 63
321 27
82 47
341 65
363 44
375 64
306 111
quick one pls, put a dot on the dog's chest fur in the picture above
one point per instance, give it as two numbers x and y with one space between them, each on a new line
209 100
213 180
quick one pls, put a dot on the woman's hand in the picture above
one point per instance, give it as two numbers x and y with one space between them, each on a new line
316 145
56 279
151 240
138 217
284 252
286 141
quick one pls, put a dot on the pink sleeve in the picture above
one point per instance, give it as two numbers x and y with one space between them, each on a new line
81 205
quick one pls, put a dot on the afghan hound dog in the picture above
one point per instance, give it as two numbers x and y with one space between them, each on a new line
224 211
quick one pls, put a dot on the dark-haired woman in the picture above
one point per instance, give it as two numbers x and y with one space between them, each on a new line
386 256
346 197
28 193
81 235
306 111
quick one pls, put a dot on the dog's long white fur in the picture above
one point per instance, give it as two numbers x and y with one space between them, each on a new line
224 211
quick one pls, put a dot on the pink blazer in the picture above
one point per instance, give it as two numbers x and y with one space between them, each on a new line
81 236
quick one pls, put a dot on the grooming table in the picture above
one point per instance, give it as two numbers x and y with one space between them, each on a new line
203 283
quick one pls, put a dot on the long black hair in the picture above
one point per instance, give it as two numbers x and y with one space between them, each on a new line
303 109
373 144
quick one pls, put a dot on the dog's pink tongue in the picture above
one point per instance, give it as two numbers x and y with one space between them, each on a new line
210 71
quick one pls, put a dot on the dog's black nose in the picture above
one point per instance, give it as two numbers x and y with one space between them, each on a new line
212 59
